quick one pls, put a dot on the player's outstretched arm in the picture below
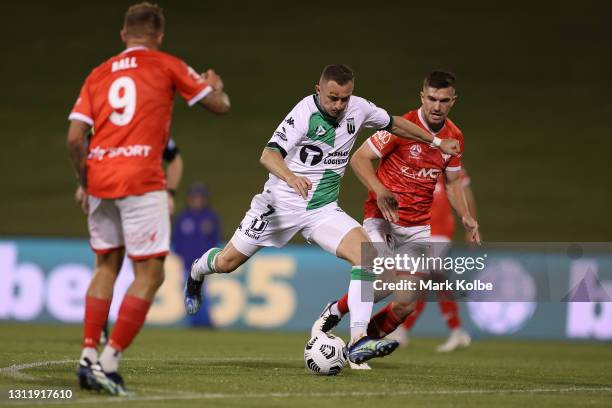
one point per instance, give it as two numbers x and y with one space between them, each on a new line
459 201
408 130
363 166
217 101
274 162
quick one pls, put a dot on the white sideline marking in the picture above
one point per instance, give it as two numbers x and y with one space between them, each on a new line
14 371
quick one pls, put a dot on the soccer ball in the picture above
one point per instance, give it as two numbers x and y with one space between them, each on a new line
325 354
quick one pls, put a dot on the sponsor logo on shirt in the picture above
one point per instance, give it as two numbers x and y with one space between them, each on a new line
310 154
281 135
420 174
337 157
100 153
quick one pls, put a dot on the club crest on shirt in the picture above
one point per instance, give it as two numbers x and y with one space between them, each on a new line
415 150
350 125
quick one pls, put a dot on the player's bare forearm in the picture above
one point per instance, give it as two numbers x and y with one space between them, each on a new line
363 166
408 130
174 173
77 134
362 163
457 198
217 102
456 195
471 200
274 162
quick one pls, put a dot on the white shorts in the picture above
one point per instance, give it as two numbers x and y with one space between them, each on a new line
266 226
397 239
141 224
381 230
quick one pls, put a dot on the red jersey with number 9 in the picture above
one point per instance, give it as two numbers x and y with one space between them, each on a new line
128 101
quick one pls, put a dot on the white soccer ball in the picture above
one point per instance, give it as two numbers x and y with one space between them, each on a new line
325 354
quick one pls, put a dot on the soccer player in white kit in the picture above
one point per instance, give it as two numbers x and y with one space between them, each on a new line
306 157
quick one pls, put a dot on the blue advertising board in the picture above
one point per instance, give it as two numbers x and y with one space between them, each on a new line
44 280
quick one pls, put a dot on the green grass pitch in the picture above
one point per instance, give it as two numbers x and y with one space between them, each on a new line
193 368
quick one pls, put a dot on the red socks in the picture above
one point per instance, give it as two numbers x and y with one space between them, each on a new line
450 312
132 315
385 320
383 323
96 314
414 316
448 308
343 304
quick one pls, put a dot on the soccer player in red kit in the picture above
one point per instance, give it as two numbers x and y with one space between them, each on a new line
128 100
400 194
442 230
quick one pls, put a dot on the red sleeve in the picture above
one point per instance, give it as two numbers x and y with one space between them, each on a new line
187 81
82 108
454 164
382 143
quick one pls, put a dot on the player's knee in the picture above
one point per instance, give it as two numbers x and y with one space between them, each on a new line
351 246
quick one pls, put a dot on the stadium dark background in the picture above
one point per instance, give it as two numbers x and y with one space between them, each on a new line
534 102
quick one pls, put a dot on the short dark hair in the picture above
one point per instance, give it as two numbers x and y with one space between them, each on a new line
144 20
439 80
339 73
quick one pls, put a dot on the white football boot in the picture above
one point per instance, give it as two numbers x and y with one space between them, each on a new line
459 338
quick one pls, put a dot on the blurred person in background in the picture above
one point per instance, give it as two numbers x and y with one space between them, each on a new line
127 101
196 228
442 230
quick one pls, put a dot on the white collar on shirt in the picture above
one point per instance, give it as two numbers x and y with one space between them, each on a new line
138 47
424 122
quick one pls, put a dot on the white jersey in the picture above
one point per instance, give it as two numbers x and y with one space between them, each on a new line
317 146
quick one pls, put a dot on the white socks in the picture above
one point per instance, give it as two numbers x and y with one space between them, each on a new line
205 264
333 309
360 301
90 353
109 359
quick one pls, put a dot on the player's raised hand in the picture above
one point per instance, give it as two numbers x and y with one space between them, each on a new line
471 228
387 204
213 79
80 196
301 185
450 146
